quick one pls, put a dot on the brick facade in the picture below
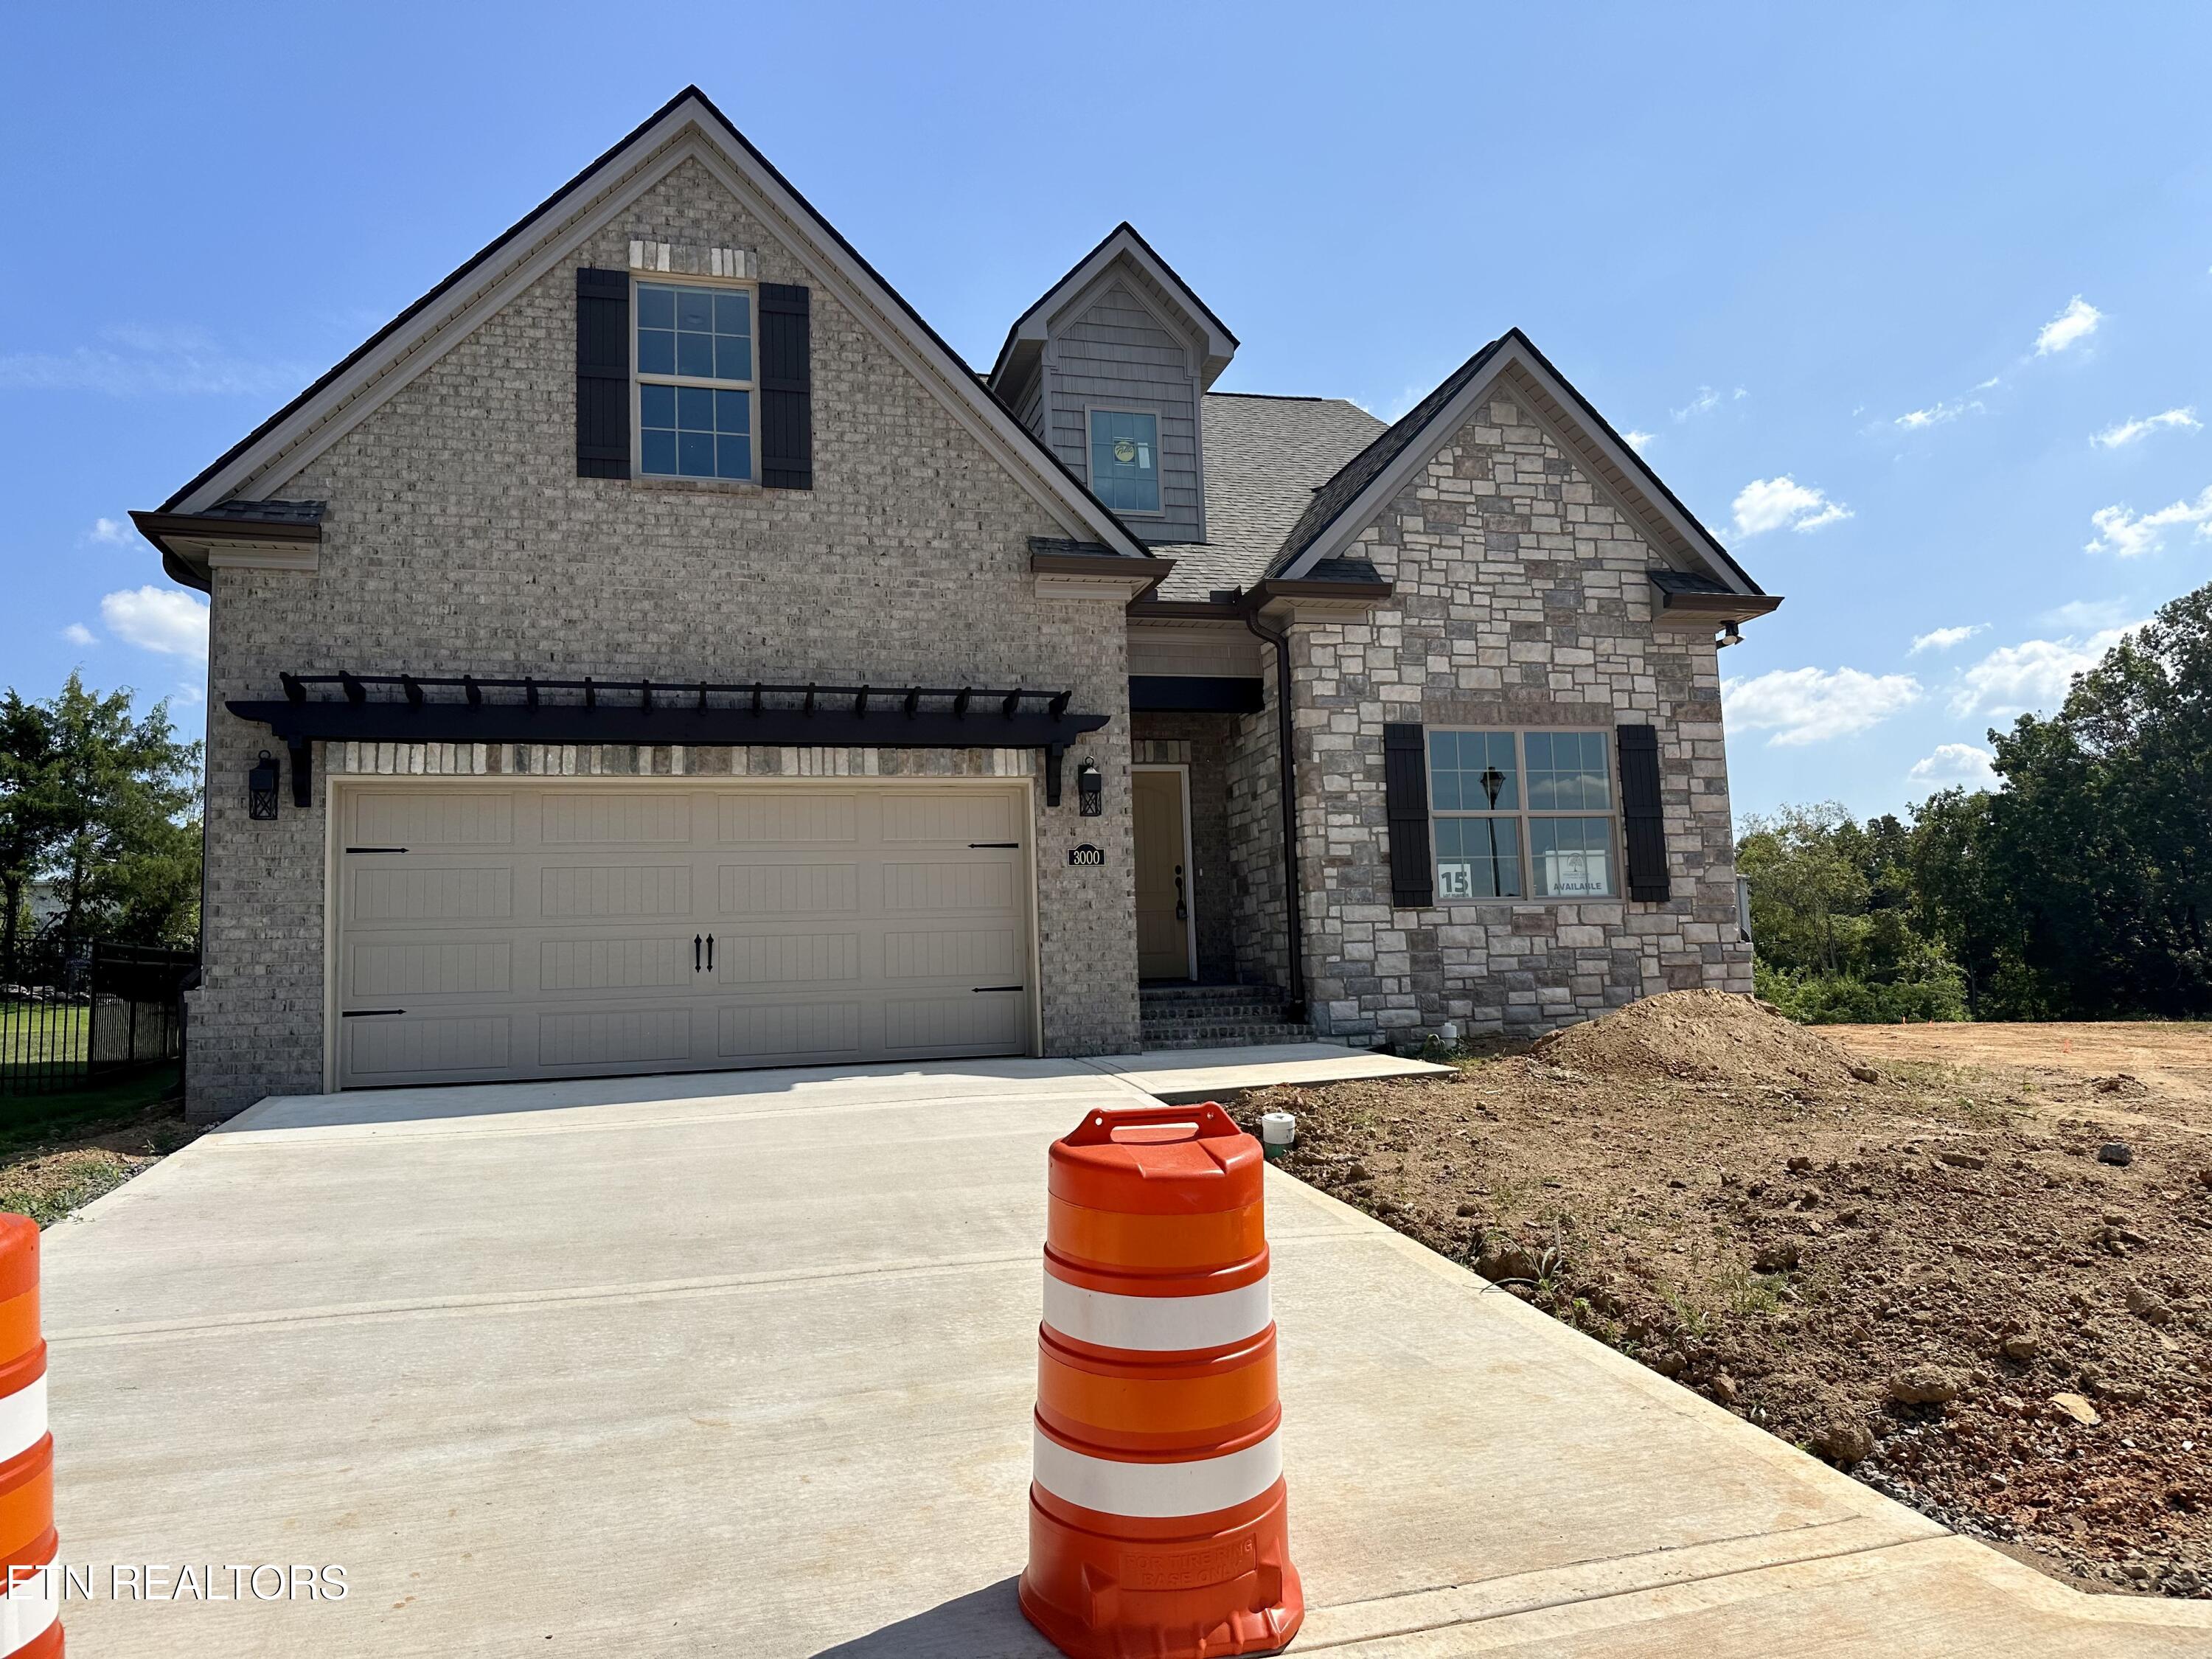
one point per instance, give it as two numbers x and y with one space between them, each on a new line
1519 601
460 539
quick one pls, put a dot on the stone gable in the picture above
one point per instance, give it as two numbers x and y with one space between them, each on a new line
1519 601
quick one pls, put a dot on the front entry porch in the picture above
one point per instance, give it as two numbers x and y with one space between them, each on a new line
1207 855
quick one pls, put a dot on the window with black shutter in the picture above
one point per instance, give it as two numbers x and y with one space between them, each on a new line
1643 822
786 387
602 374
1406 809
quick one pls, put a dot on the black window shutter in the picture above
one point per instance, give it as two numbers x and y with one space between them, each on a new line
787 388
602 374
1642 818
1406 806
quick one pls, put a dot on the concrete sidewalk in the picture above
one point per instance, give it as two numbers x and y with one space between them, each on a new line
742 1365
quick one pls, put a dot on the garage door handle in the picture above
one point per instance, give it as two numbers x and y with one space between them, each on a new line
694 954
710 953
368 1013
973 845
980 989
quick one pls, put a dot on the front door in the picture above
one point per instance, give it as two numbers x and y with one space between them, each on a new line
1162 875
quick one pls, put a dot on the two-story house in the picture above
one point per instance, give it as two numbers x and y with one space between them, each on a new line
657 650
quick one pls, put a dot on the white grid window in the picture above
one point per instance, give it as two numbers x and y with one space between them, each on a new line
1521 815
695 381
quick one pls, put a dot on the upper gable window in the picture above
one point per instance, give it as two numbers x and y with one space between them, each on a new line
1125 459
695 381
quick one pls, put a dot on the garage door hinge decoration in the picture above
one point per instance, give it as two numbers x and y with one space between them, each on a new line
475 708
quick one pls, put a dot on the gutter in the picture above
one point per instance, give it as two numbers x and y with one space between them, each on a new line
1248 609
1286 786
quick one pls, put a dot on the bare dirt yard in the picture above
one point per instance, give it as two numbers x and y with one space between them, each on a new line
1971 1264
59 1152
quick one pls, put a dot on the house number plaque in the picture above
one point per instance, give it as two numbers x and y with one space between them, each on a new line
1086 855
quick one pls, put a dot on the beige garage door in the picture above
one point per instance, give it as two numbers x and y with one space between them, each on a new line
557 930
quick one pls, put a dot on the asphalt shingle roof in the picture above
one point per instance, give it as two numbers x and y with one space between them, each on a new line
1265 456
1360 471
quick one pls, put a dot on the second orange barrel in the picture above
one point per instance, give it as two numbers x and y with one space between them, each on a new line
1158 1523
30 1598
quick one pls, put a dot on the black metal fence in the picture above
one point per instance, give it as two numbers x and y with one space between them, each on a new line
128 1014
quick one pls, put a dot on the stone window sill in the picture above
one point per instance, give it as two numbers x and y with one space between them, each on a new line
709 486
1537 903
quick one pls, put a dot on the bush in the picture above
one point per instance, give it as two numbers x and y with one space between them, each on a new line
1841 999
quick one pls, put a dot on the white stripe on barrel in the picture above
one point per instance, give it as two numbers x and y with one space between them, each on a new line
32 1603
1157 1491
1156 1324
23 1421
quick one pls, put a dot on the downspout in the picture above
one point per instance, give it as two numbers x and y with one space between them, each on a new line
1295 1008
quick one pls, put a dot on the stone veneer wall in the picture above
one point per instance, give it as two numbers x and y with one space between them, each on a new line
459 540
1255 840
1519 601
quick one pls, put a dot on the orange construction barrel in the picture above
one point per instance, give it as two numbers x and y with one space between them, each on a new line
30 1600
1158 1525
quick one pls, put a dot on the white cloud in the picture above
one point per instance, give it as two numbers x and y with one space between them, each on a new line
1639 442
1704 403
1808 705
1955 762
2128 431
1918 420
1942 639
163 619
2032 676
2127 535
144 363
78 634
110 532
2077 322
1766 504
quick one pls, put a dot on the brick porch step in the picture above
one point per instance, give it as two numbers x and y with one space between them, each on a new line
1215 1016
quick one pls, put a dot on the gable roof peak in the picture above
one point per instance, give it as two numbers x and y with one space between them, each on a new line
1126 245
532 246
1350 499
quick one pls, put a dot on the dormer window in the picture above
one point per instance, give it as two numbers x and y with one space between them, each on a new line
695 381
1125 459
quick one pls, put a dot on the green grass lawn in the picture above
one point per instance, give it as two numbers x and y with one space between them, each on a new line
34 1033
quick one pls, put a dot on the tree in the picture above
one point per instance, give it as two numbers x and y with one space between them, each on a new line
1804 886
103 802
1834 924
26 828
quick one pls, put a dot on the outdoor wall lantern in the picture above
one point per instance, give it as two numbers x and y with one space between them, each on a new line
261 788
1091 790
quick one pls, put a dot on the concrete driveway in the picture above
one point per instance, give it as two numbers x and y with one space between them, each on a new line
743 1364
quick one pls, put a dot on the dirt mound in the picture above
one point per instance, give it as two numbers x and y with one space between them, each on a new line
1706 1037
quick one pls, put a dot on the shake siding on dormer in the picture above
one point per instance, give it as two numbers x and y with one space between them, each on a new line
1114 350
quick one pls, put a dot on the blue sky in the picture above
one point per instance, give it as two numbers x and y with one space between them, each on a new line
1914 303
